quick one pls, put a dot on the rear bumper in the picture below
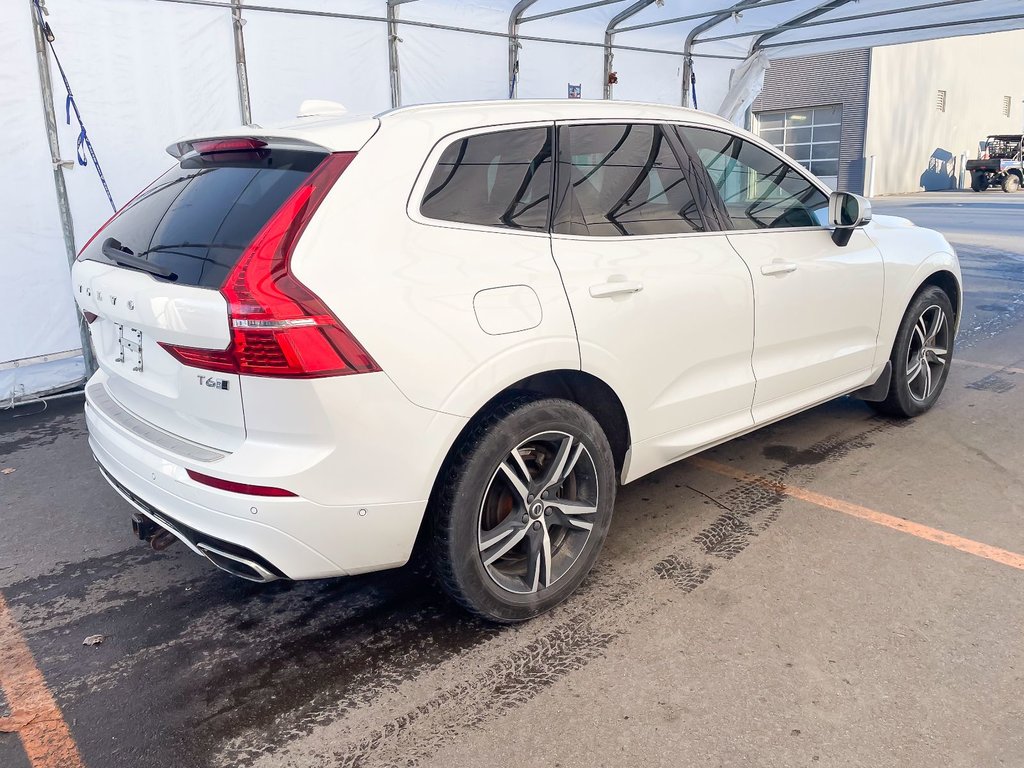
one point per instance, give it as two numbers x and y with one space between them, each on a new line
292 537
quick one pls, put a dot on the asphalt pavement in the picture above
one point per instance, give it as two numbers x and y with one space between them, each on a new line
838 589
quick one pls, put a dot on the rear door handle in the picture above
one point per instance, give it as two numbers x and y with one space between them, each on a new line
615 288
778 268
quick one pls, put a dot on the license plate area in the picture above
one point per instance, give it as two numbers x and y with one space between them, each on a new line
129 347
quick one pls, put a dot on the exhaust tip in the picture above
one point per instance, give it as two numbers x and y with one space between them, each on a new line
237 566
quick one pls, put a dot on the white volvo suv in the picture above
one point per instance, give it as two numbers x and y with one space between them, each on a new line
475 321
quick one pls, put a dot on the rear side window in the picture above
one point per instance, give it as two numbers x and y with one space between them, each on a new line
198 218
626 180
500 179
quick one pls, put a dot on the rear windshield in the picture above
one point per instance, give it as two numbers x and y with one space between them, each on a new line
198 218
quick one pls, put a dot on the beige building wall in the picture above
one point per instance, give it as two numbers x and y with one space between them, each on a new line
916 146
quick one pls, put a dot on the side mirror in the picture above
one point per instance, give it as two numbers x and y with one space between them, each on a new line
846 212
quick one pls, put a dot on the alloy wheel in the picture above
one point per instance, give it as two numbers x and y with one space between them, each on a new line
928 352
538 512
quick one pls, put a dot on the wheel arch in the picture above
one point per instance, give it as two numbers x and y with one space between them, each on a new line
586 390
950 285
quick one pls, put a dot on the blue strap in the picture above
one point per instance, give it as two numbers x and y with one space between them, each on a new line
83 142
693 87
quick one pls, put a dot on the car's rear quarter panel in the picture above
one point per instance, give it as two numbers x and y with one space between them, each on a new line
406 288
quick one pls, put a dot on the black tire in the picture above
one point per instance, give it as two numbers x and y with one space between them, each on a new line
979 182
1011 183
476 490
918 375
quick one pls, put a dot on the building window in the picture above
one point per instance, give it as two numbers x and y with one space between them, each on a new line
940 101
809 136
1006 106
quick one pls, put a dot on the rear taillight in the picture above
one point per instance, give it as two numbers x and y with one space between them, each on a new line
233 487
278 326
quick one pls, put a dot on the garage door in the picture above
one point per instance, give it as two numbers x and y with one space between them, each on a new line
810 136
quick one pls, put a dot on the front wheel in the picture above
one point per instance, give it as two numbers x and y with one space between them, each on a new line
921 355
523 509
1011 183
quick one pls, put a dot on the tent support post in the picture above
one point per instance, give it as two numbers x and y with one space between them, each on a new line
67 224
393 40
244 103
609 36
696 32
514 19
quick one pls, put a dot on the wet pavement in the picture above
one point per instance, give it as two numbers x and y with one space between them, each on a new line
726 623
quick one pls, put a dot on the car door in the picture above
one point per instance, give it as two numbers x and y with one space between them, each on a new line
662 303
817 304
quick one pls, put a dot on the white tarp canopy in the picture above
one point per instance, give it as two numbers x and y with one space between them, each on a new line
146 71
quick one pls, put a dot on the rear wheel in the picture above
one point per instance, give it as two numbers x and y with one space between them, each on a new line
1011 183
921 355
524 509
979 182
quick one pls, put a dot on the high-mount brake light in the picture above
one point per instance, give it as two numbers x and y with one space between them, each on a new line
278 326
213 146
233 487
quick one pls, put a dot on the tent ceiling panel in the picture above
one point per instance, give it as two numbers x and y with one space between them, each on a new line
487 15
899 21
356 7
665 26
545 70
343 60
427 77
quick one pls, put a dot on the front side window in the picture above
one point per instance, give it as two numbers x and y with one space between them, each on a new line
626 180
500 179
760 190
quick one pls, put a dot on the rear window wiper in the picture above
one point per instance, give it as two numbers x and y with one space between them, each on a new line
117 253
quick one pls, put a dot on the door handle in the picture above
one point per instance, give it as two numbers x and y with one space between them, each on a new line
615 288
778 268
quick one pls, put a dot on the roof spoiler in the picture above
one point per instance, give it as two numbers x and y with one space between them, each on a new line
234 142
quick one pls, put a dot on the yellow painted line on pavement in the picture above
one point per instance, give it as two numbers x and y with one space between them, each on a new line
35 716
971 547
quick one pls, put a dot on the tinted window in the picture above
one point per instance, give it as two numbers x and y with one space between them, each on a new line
759 189
500 179
200 216
626 180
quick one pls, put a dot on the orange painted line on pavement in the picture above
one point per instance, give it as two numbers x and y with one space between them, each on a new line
971 547
35 715
989 366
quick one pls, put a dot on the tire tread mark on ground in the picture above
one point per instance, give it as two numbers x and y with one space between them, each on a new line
684 574
750 510
505 685
992 383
